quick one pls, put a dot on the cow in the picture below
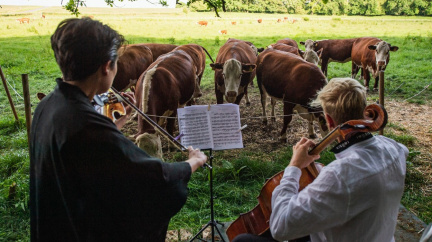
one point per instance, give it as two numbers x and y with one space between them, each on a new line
285 76
288 41
23 20
311 56
167 84
287 48
371 55
279 20
259 21
202 23
198 55
223 31
133 61
334 50
233 23
234 71
285 19
159 49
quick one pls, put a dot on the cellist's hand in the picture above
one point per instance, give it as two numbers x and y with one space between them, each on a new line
301 158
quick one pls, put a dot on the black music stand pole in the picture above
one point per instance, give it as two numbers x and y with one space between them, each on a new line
213 223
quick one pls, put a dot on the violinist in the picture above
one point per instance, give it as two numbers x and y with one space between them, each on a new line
354 198
88 182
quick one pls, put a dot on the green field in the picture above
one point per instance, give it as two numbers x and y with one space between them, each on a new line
25 48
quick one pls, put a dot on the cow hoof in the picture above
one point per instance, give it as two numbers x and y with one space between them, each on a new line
312 136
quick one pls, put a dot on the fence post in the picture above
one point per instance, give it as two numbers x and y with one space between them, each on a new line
8 94
381 93
27 105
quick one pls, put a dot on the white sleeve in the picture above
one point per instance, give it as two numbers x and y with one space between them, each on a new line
321 205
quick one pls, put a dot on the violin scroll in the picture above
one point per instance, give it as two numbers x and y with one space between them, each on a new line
378 114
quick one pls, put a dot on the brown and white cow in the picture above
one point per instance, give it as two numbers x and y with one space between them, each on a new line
284 76
198 55
308 55
133 61
371 55
166 85
334 50
159 49
234 71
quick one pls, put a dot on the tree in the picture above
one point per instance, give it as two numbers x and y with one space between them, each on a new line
73 5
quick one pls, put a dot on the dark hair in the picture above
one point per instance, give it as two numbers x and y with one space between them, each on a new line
81 46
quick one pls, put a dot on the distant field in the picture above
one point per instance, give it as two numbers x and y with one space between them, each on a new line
25 48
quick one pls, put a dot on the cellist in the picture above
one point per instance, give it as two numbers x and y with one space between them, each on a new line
356 197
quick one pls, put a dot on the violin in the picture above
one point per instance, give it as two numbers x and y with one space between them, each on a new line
257 220
112 107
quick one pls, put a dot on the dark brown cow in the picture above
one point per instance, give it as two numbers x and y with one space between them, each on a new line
133 61
284 76
166 85
234 70
371 55
159 49
334 50
288 41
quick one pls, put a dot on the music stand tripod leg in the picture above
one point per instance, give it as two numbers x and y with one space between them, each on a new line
212 222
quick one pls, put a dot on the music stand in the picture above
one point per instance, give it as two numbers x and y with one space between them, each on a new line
213 223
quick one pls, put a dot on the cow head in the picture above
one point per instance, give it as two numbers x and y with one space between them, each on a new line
312 56
309 44
382 54
232 71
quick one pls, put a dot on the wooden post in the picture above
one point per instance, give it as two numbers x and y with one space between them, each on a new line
381 93
8 94
27 105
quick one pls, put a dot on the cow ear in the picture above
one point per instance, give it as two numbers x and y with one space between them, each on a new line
248 67
216 66
260 50
315 44
40 95
394 48
302 42
319 52
372 47
301 53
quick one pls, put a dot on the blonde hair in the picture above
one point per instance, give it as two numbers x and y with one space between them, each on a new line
343 99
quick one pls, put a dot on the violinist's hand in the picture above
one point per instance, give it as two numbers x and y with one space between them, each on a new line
196 159
301 158
131 97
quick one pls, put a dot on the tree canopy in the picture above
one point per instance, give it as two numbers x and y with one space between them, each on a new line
321 7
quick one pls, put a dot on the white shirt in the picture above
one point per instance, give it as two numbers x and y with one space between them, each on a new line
354 198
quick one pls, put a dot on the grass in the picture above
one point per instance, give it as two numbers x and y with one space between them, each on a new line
25 48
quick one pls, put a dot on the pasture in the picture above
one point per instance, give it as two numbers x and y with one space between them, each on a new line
239 174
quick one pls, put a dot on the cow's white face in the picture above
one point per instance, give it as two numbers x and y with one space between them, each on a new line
232 73
382 52
309 44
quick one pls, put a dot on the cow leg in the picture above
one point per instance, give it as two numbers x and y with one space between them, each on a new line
239 98
288 111
376 84
354 70
273 104
219 95
246 95
366 78
264 104
304 113
324 64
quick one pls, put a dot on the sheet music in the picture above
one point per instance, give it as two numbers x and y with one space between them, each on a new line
225 123
194 124
217 128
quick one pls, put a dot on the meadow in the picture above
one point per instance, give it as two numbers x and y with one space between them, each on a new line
25 48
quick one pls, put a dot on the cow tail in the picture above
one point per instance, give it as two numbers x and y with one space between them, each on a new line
208 54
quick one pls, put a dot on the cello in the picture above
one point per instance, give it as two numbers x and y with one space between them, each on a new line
257 220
